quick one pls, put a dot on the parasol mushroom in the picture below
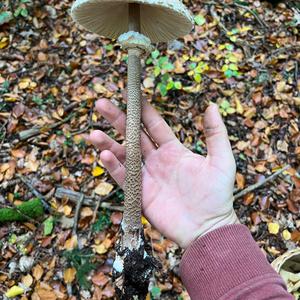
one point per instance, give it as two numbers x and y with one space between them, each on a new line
136 24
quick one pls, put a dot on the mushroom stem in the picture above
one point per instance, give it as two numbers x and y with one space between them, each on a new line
133 181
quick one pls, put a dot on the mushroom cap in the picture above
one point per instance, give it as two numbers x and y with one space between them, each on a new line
161 20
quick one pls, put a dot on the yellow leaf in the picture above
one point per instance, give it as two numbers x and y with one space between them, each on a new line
104 189
99 88
144 221
273 228
4 42
286 235
69 275
239 107
97 171
104 246
24 83
27 83
14 291
100 249
94 118
71 243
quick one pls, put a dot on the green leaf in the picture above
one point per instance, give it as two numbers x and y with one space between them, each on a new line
149 61
162 89
157 71
235 31
233 67
166 78
198 77
192 66
17 11
229 47
109 47
236 73
163 60
24 12
178 85
170 85
155 54
5 17
228 73
155 292
199 20
168 67
230 110
48 226
225 105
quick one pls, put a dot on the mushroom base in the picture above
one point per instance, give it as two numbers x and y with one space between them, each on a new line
133 270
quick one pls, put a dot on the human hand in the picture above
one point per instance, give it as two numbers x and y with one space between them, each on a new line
185 195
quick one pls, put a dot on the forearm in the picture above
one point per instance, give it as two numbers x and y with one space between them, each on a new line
227 264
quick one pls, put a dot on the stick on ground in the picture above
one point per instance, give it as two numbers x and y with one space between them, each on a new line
259 184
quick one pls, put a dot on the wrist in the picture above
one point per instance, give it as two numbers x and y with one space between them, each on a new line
213 224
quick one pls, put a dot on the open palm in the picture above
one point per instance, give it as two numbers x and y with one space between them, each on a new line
185 195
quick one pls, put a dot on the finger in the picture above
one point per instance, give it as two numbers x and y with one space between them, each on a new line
157 127
218 145
118 120
103 142
114 166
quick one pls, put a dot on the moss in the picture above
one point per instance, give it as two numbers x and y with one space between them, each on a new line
32 209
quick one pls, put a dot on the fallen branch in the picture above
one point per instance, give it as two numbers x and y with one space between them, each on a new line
259 184
28 133
74 197
77 212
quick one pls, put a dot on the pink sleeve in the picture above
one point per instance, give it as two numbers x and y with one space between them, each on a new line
227 264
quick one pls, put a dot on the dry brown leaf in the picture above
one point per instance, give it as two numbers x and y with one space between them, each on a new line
27 280
37 272
100 279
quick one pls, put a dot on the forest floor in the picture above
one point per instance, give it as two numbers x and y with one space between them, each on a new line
242 55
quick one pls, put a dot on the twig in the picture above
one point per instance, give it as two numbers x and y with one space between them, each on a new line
7 184
77 212
4 134
94 216
260 21
259 184
35 192
26 134
88 200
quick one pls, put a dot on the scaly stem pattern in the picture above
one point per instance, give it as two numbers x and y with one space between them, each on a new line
133 179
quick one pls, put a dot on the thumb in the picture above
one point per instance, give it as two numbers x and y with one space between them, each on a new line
218 145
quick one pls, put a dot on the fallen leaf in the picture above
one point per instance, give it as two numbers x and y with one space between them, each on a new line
103 188
273 228
104 246
100 279
69 275
27 280
37 272
14 291
286 235
71 243
97 171
4 42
